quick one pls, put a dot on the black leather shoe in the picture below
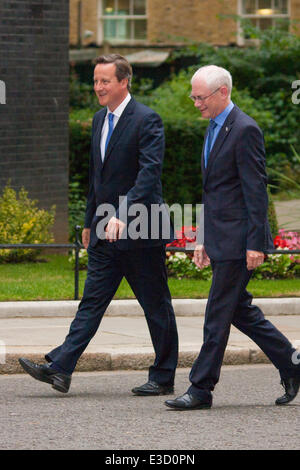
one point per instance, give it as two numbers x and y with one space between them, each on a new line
291 387
44 373
152 388
188 402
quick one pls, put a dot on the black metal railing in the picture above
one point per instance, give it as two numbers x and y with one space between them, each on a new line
77 246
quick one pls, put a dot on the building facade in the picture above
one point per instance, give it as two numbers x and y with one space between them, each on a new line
143 23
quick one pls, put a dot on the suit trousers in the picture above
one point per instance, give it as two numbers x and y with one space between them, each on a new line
145 271
230 303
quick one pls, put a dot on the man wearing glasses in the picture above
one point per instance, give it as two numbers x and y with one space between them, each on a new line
236 236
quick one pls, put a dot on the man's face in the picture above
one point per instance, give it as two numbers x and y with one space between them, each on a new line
214 104
110 92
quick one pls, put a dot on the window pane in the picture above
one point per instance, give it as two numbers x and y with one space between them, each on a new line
139 7
280 6
109 7
140 29
249 7
264 4
123 7
123 29
117 29
110 29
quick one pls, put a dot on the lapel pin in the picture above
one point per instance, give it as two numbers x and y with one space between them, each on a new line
226 129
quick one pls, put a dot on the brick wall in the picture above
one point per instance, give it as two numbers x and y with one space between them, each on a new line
191 19
168 21
171 21
295 15
34 37
89 21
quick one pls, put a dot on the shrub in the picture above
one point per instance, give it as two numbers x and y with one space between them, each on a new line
81 95
77 206
80 129
180 265
267 71
22 222
272 217
82 258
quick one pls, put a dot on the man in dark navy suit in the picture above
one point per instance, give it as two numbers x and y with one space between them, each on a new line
236 237
126 159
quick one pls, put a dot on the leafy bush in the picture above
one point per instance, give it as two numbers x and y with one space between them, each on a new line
267 71
272 217
82 95
77 206
288 180
171 100
22 222
180 265
275 266
80 129
185 129
82 258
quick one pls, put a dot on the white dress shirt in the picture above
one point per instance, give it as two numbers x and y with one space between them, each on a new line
117 114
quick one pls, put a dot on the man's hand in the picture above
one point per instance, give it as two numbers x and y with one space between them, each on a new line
114 229
86 232
254 259
200 258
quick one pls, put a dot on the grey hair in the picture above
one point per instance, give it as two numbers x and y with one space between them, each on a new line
214 76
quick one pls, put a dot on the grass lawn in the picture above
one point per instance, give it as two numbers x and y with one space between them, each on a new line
54 280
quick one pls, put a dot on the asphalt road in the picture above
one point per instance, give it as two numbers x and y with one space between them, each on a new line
100 412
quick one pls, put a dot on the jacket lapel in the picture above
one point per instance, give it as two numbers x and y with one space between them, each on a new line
123 122
98 131
202 154
222 136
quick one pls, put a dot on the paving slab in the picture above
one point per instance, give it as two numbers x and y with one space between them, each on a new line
288 214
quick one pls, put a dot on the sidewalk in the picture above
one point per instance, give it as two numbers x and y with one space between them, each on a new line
33 328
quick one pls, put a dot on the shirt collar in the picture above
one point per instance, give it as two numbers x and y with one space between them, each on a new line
221 118
119 110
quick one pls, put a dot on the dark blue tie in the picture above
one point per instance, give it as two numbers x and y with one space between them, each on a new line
209 139
110 129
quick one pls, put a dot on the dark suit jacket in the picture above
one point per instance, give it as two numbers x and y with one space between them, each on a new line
132 167
234 191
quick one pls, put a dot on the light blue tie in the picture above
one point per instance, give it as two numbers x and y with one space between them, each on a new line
110 129
209 140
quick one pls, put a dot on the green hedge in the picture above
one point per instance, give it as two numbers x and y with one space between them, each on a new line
267 71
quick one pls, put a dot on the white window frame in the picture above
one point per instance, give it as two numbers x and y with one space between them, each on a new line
240 37
131 16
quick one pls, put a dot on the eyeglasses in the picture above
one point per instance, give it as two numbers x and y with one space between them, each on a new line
200 98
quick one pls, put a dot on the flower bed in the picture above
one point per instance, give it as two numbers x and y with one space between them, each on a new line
180 264
276 266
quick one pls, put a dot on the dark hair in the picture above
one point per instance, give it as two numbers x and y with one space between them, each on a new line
123 67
